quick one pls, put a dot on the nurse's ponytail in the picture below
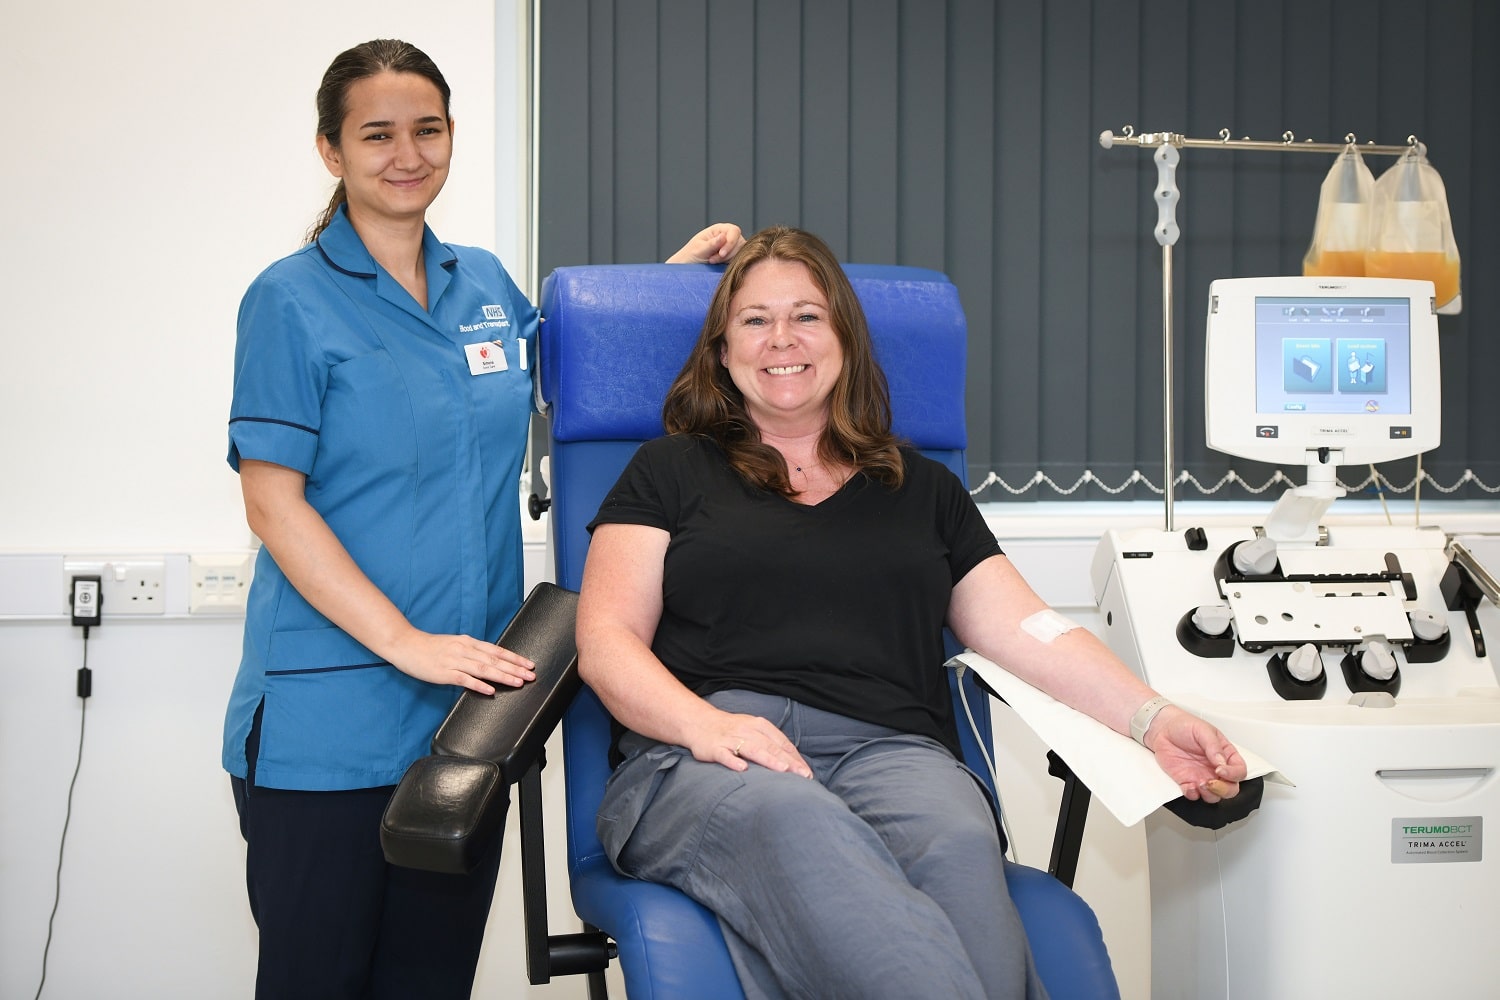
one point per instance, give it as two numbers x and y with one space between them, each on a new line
339 197
383 55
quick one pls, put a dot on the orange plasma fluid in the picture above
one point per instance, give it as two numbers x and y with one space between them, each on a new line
1335 263
1437 268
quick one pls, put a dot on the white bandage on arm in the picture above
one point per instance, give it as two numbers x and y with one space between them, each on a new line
1046 625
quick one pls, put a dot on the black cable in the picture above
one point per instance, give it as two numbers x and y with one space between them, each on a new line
83 674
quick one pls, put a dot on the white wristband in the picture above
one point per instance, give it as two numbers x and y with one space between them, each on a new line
1143 717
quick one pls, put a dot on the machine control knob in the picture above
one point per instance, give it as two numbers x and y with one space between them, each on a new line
1256 557
1212 619
1304 663
1377 660
1428 626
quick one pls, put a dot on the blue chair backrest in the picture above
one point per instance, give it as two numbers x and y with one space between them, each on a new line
613 338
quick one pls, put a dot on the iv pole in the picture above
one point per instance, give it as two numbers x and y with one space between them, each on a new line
1166 232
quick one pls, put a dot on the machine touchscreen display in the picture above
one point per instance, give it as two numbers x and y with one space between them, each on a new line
1332 355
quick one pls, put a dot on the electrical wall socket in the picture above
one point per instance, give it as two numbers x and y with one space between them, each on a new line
131 585
219 584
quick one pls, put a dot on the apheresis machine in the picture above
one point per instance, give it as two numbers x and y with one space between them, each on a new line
1353 658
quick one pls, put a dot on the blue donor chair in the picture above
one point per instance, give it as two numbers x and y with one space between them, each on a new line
612 339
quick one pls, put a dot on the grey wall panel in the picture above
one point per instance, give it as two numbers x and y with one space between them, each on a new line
1004 432
780 90
970 168
732 68
924 90
1063 369
825 121
596 71
682 187
1476 368
874 56
566 180
961 135
1125 421
637 135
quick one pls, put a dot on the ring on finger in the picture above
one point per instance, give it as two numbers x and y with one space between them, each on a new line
737 746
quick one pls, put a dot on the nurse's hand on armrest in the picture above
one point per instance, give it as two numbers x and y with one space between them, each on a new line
1196 755
320 567
460 660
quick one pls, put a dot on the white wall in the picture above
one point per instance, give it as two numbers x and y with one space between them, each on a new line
166 157
162 155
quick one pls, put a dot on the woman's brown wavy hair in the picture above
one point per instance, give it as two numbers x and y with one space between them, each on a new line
704 400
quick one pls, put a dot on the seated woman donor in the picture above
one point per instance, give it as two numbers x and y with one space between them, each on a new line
762 609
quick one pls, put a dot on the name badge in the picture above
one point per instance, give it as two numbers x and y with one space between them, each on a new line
485 357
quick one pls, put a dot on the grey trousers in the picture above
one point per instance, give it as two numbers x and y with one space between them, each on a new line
881 878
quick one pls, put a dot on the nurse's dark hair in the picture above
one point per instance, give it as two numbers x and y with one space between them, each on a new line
703 399
382 55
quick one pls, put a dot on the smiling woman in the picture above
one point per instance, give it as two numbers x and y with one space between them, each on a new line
382 394
781 350
773 496
784 356
785 374
338 93
391 155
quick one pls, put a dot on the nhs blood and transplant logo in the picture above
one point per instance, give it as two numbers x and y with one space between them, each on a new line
494 318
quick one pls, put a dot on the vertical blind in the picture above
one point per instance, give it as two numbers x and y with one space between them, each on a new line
962 136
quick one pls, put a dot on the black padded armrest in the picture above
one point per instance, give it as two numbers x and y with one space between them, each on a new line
1220 814
451 804
444 815
511 726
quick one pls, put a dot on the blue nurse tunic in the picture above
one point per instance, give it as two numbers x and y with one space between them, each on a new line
411 459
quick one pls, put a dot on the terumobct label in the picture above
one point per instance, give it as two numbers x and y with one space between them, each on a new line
1437 840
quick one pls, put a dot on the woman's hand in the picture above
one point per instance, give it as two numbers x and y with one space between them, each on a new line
737 741
460 660
713 245
619 610
1194 754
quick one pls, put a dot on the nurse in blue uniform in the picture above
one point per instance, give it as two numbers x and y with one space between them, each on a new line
382 393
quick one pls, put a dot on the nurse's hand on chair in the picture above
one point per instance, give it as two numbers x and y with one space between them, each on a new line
1194 754
460 660
713 245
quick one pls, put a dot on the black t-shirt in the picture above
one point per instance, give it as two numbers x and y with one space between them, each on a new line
839 606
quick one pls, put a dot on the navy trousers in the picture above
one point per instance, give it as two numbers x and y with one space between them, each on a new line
337 922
